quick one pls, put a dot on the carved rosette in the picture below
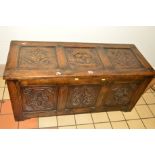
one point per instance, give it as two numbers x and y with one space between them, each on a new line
121 94
83 57
39 99
123 58
83 96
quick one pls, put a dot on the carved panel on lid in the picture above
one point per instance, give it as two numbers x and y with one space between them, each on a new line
37 57
39 98
83 96
83 57
123 58
121 94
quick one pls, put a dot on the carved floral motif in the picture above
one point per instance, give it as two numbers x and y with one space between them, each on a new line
38 99
123 58
37 57
83 96
83 57
121 94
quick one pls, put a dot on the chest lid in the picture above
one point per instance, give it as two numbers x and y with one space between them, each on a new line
29 60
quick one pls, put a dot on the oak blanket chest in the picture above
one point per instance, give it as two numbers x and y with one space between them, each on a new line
58 78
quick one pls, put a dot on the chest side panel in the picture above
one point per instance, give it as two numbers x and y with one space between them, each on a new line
39 98
121 93
82 96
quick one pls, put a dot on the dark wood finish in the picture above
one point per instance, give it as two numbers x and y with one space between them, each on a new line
58 78
16 100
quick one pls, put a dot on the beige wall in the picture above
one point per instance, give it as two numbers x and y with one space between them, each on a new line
142 37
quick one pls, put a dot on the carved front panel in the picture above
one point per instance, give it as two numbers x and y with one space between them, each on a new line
85 58
37 57
39 98
82 96
121 93
123 58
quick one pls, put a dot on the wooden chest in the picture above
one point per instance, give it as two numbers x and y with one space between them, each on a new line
57 78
